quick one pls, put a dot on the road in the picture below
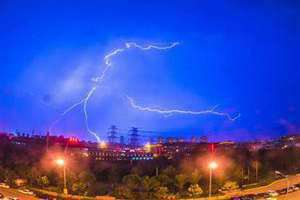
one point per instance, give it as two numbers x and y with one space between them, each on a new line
14 193
290 196
277 185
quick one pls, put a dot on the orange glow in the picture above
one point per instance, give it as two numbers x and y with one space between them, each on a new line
213 165
60 162
147 147
103 145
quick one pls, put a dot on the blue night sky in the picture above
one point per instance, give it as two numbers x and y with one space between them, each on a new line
240 55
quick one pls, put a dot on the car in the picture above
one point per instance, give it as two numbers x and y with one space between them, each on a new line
260 196
11 198
236 198
295 188
282 191
26 191
248 197
3 185
271 198
272 193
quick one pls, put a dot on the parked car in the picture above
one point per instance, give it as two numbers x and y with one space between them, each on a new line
272 193
10 198
282 191
248 197
3 185
295 188
260 196
26 191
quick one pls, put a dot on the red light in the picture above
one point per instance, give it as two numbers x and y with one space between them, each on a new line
73 140
212 148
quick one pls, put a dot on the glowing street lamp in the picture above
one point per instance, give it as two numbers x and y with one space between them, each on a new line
212 166
61 163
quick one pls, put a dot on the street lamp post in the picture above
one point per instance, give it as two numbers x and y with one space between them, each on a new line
61 163
212 165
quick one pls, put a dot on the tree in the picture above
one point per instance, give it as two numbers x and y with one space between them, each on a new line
230 185
170 171
10 177
195 177
132 186
161 192
194 190
149 187
83 183
123 192
181 180
43 181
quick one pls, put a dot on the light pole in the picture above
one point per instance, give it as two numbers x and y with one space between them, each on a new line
61 163
212 165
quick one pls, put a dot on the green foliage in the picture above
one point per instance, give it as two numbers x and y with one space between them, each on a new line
195 176
43 181
195 190
161 192
230 185
170 171
181 180
123 192
82 184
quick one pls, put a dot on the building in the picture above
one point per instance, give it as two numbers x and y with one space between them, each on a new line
99 154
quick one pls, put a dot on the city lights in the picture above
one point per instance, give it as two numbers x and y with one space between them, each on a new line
147 147
103 145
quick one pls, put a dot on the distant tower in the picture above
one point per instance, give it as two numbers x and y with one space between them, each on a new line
122 140
112 134
134 137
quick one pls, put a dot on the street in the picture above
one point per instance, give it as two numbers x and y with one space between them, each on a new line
277 185
290 196
14 193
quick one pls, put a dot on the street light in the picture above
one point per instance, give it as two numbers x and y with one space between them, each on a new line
212 166
61 163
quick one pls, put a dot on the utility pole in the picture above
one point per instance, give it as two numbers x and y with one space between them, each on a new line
134 137
248 174
256 170
47 141
112 134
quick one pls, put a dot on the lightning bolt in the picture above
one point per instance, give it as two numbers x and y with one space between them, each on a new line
176 111
99 79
